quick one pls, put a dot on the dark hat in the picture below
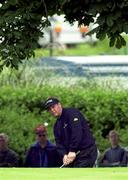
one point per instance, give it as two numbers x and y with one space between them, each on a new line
40 129
50 102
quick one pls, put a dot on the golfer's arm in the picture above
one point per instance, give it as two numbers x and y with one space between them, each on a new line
60 148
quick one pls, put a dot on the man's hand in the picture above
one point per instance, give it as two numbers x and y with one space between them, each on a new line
65 159
71 157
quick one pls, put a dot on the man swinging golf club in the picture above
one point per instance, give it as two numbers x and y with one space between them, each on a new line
73 137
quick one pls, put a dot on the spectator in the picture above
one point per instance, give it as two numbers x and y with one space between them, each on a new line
42 153
114 155
8 158
72 135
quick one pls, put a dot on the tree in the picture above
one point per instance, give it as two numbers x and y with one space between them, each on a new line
23 21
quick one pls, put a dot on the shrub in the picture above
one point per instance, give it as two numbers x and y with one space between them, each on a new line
20 112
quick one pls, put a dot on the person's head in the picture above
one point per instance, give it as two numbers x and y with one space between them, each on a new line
41 133
54 106
113 138
3 141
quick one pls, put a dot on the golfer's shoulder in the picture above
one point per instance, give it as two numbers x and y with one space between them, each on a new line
71 111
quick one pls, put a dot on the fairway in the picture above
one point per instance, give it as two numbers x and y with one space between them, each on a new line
63 174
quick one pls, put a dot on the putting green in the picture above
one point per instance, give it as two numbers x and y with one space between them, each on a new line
64 174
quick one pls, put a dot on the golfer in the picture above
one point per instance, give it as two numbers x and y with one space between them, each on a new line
73 137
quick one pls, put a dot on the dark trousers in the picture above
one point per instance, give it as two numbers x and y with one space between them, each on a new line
86 158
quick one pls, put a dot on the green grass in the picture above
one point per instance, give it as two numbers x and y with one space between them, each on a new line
64 174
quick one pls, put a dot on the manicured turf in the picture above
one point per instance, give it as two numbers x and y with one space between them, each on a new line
64 174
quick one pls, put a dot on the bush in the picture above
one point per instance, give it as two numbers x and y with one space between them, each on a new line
20 112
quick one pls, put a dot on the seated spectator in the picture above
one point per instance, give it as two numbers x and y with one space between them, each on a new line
42 153
113 156
8 158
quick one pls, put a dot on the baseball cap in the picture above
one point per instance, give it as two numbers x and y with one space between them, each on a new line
50 102
40 129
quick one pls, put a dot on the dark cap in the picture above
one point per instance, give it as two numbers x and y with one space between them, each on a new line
50 102
40 129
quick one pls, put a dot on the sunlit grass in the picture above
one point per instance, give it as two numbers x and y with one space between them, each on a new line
64 174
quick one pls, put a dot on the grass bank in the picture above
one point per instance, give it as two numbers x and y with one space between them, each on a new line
68 174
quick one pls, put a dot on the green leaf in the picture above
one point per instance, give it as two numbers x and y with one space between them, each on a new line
109 21
123 42
125 28
112 41
118 43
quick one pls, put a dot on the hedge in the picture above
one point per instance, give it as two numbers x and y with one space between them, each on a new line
20 112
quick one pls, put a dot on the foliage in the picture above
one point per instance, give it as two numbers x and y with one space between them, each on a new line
20 112
23 21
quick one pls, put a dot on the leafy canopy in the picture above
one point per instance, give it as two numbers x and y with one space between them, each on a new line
23 21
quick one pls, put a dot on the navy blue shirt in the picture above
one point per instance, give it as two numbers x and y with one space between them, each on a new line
72 132
42 157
